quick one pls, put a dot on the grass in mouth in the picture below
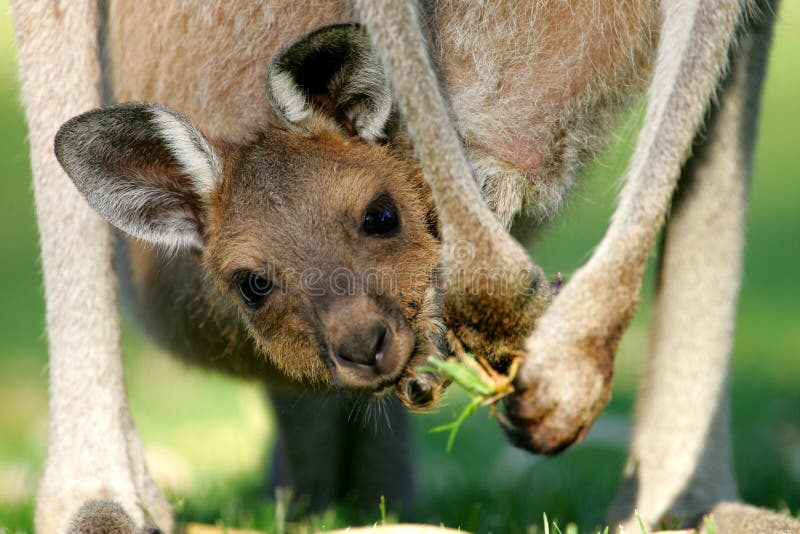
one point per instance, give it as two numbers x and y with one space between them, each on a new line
482 383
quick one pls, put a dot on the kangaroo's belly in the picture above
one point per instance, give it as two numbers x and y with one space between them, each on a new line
534 85
207 59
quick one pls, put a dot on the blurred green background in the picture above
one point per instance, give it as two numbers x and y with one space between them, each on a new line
207 437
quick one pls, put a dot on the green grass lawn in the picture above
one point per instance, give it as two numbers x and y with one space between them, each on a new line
207 436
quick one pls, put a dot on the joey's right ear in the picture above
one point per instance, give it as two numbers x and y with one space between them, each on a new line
331 79
144 168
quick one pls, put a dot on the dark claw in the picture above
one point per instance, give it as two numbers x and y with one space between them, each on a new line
557 282
419 392
534 430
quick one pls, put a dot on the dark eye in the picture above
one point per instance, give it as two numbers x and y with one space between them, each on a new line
381 217
253 288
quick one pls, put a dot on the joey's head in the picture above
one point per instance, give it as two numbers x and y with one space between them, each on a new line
322 238
327 246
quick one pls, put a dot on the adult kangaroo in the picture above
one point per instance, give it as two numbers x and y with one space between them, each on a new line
497 105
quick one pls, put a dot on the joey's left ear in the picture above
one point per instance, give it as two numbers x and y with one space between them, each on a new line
331 79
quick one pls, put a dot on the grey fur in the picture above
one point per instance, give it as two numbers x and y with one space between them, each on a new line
123 163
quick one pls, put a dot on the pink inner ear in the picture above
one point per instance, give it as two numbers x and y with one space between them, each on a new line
521 154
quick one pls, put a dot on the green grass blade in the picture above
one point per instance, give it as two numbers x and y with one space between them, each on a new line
453 427
641 523
461 374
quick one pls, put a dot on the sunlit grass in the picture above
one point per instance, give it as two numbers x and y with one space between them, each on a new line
7 48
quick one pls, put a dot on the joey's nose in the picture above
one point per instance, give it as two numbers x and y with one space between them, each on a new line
366 345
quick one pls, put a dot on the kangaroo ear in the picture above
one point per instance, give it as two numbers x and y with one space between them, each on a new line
331 79
144 168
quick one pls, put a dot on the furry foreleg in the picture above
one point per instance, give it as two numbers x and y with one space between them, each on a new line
565 381
493 291
680 461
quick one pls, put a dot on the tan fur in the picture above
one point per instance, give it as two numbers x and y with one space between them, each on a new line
680 466
336 176
604 293
531 89
291 209
204 59
86 375
534 87
737 518
222 94
520 130
101 517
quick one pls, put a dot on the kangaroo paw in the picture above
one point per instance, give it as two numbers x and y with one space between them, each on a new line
566 372
548 414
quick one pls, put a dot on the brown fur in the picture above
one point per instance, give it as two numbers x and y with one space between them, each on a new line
282 206
102 517
535 86
494 78
315 193
585 321
738 518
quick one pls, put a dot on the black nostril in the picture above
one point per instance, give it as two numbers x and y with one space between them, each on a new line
367 348
380 339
